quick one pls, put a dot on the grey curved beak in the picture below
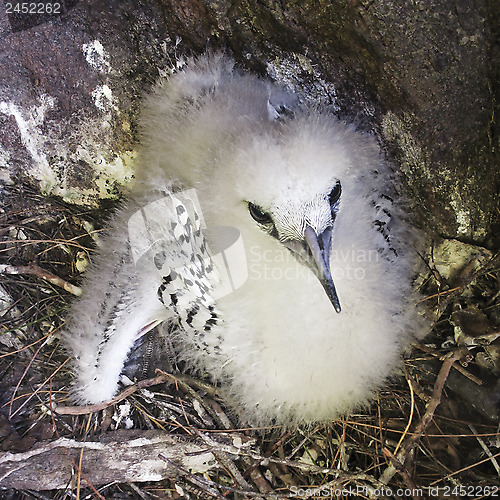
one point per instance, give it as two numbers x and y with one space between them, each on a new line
315 251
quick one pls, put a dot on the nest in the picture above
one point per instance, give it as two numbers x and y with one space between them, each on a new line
432 432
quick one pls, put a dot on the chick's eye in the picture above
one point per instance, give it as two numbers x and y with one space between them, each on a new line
335 193
259 215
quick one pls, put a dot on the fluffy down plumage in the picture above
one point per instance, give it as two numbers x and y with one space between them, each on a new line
222 148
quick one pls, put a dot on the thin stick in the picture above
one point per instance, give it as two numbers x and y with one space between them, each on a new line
410 418
457 367
487 459
486 449
83 410
43 274
426 419
36 391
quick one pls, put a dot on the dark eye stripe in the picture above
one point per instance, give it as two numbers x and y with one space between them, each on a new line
259 215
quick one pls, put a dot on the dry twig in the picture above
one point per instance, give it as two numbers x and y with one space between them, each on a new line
37 271
399 462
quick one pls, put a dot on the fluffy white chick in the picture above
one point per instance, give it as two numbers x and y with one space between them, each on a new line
267 230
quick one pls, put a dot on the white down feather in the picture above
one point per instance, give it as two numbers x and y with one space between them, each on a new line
282 352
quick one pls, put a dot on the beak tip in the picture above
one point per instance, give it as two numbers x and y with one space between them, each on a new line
332 294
